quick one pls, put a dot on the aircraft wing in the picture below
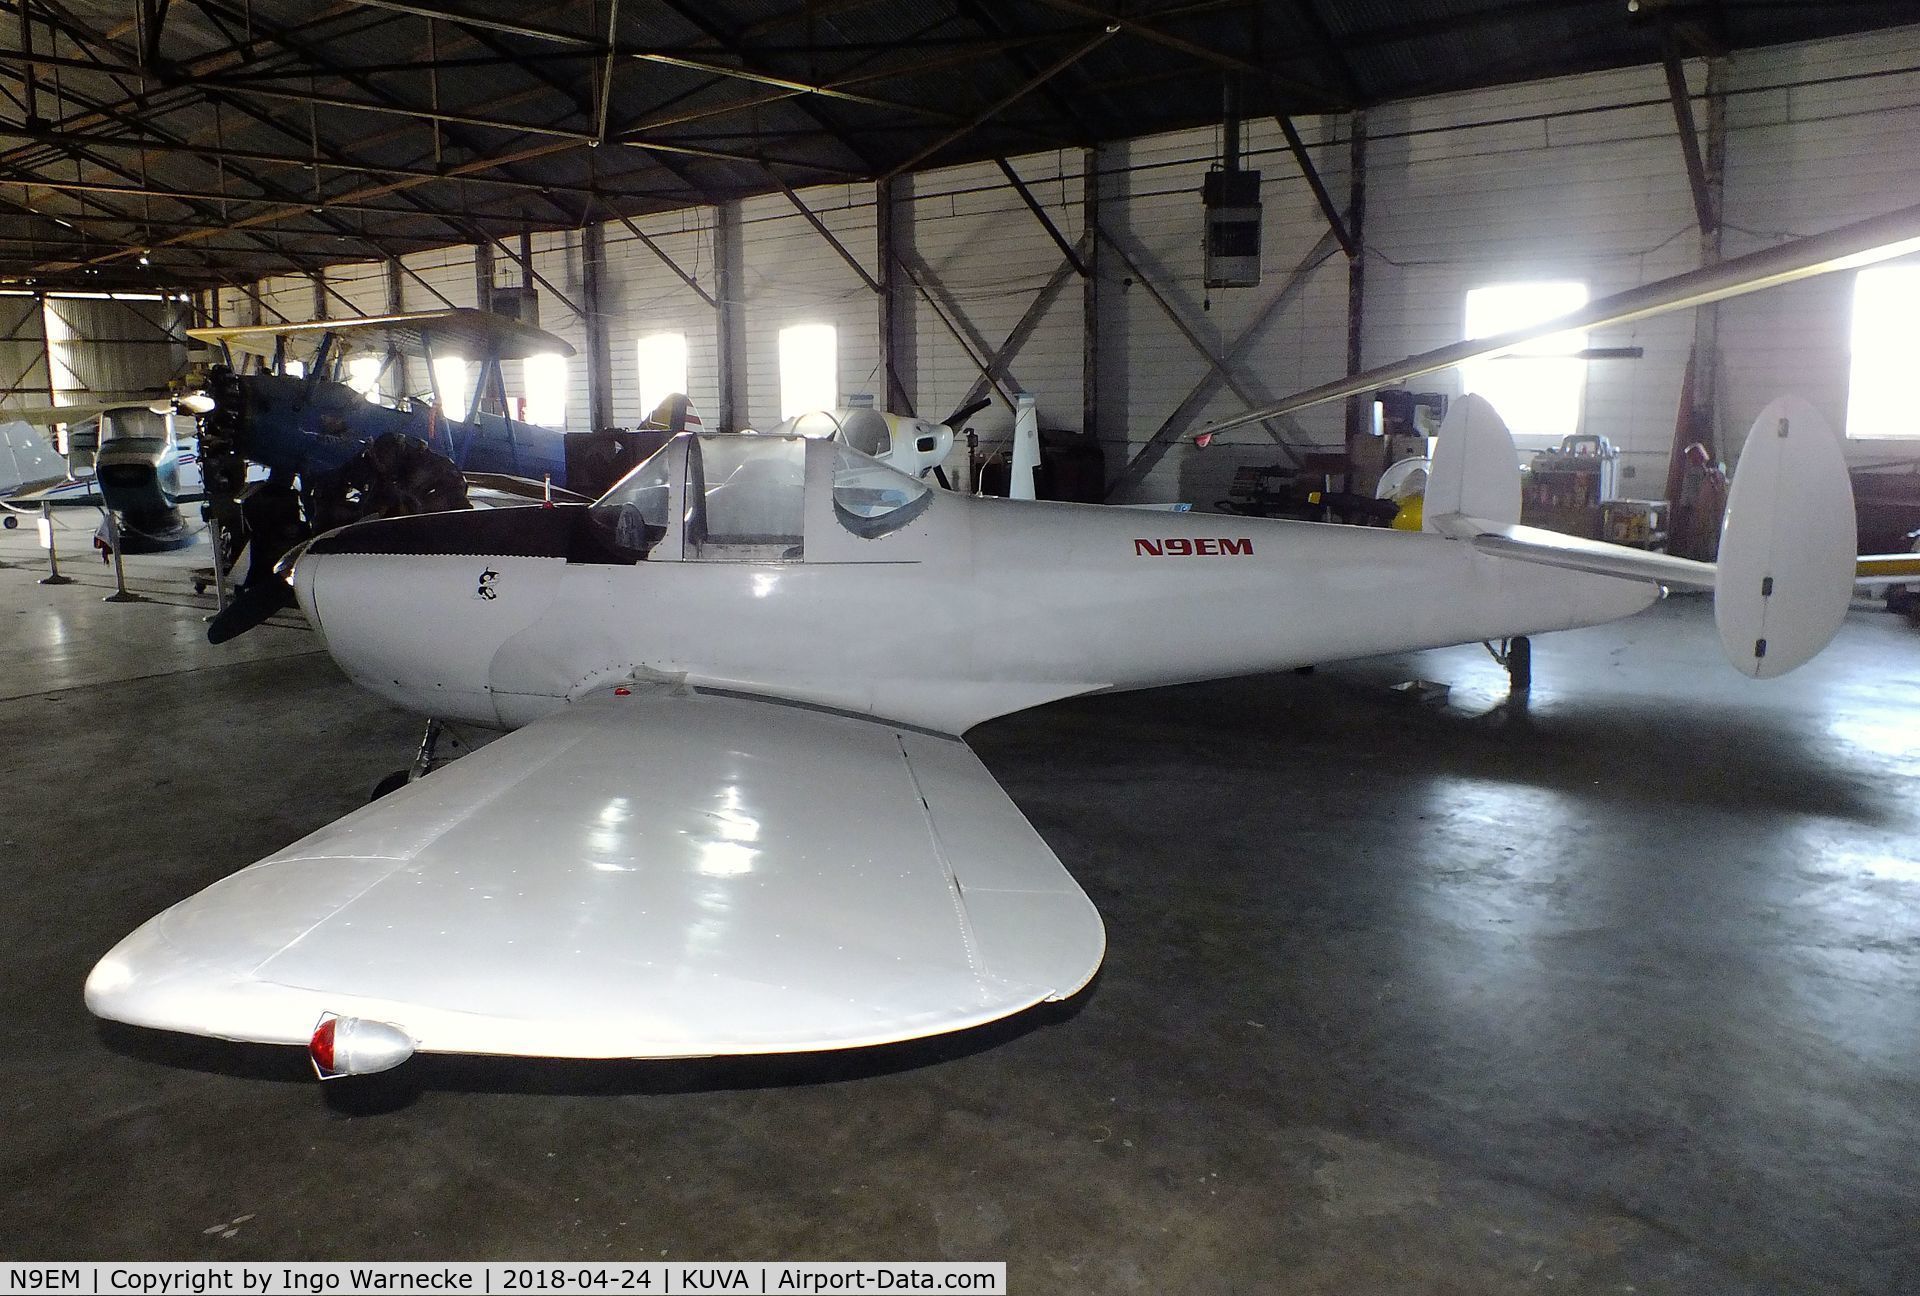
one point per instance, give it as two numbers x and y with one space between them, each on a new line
664 874
507 489
462 331
26 460
1887 569
48 415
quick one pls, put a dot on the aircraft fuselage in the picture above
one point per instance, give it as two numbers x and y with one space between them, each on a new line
979 608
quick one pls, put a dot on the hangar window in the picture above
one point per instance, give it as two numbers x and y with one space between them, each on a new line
1886 337
450 375
544 378
1539 388
662 368
363 375
809 369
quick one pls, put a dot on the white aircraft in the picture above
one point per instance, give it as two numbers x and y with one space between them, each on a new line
34 470
122 455
736 816
915 446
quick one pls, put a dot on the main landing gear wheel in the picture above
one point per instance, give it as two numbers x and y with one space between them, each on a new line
1516 654
391 783
9 521
425 761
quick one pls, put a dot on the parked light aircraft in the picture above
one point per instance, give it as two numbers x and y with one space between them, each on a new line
737 817
735 814
123 455
913 445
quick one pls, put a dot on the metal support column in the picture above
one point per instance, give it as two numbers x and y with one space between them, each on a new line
1090 294
397 304
593 261
893 351
1705 212
1359 416
1706 319
730 320
483 275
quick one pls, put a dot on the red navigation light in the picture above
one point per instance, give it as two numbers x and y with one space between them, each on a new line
320 1047
344 1046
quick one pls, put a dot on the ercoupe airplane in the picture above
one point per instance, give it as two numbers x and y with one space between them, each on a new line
736 815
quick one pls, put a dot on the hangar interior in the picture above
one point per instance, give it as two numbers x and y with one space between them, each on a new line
1611 985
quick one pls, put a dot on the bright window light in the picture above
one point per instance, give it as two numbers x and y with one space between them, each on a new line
663 369
809 369
1886 342
1539 388
545 380
450 372
363 375
294 368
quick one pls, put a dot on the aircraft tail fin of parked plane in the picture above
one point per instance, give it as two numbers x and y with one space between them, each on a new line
1784 577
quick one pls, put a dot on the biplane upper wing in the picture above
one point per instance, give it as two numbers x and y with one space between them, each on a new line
48 415
658 873
462 331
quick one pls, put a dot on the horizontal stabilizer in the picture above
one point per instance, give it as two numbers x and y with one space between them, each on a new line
1552 549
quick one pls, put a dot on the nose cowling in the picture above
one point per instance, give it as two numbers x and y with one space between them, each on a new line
415 608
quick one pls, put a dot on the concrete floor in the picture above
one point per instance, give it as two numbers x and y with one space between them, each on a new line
1619 993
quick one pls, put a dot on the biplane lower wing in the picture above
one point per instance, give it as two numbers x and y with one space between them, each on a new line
659 874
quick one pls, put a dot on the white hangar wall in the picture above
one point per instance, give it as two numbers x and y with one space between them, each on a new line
1820 134
1571 178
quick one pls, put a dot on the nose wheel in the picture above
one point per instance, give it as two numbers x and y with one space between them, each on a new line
1516 654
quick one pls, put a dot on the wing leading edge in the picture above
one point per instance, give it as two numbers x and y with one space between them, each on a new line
657 875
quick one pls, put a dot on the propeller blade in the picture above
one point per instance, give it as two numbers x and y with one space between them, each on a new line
251 605
1849 247
965 412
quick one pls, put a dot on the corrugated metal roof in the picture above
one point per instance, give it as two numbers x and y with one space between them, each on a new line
249 137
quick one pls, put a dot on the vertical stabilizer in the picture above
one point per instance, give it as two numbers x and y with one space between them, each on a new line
1476 470
1787 546
26 457
1025 458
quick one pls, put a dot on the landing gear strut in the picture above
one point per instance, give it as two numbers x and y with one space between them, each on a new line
423 761
1516 654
